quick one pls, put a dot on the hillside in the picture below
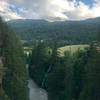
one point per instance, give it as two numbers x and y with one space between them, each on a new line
68 32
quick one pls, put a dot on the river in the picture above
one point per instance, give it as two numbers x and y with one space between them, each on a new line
36 93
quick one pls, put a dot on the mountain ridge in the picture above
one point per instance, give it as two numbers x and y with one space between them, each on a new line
67 31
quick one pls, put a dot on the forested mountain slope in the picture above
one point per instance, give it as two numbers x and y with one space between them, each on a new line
68 32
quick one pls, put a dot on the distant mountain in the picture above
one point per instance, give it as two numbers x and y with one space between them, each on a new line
67 32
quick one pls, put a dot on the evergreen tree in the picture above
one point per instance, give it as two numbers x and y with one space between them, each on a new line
68 63
3 95
56 83
3 36
79 73
38 63
91 90
55 76
15 79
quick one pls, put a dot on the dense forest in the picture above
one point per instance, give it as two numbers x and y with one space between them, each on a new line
72 76
69 77
66 32
13 76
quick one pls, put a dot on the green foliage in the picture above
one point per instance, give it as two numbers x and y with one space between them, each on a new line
56 83
79 73
72 76
91 90
67 32
38 62
3 96
55 75
15 79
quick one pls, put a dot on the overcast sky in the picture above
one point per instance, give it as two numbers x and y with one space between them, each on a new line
52 10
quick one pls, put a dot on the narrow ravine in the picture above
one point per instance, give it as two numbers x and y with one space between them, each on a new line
36 93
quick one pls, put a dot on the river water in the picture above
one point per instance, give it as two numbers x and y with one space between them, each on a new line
36 93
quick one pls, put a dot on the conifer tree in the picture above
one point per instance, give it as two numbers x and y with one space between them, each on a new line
38 63
79 72
55 81
91 90
15 79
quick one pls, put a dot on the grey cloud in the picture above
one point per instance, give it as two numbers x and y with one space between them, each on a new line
43 9
54 10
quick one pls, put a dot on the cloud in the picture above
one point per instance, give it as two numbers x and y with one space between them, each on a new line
6 12
51 10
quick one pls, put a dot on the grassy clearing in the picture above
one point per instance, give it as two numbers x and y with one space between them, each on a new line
62 50
72 48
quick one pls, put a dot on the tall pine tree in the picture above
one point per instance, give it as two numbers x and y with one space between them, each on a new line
91 90
15 79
